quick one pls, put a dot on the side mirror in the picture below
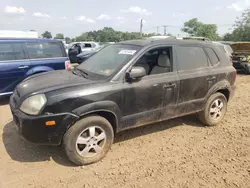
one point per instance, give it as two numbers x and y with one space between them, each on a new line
135 74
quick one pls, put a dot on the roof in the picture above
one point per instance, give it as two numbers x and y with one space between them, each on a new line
146 42
28 39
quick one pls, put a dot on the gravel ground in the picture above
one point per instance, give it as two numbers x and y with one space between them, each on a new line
176 153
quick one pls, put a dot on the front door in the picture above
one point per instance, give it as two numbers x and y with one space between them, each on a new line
14 65
153 98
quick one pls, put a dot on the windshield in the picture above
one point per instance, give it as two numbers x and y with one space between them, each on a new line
108 59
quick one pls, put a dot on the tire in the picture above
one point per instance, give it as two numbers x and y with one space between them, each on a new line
208 115
83 147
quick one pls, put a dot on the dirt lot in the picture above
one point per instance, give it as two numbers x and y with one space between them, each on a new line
176 153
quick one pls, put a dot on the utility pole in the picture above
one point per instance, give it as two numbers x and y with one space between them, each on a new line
141 24
165 30
157 30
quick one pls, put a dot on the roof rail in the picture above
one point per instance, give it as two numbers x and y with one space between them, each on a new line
194 38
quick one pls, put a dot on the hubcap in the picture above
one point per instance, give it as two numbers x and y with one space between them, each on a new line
216 109
90 141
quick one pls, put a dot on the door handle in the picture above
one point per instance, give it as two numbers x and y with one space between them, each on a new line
211 78
168 86
23 67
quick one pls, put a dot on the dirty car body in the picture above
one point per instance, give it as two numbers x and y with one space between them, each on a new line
174 85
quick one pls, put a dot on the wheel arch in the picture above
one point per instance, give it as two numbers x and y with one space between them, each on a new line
225 92
221 87
108 115
38 69
106 109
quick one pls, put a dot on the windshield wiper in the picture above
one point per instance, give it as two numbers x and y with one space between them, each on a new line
82 72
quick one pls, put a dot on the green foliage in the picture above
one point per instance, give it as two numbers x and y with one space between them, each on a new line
242 28
47 35
59 36
108 34
196 28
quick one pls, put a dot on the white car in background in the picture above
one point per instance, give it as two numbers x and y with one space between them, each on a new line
87 46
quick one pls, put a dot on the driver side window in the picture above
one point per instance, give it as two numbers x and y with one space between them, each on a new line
156 61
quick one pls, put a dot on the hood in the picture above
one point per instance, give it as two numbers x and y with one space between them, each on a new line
241 47
50 81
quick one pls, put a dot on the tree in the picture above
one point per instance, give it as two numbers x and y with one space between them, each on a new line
196 28
241 31
47 35
108 34
59 36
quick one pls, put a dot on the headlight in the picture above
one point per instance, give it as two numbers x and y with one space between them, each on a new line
33 104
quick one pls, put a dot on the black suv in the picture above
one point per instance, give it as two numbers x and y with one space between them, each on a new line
124 85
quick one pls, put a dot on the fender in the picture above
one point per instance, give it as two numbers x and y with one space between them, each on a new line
38 69
102 106
224 84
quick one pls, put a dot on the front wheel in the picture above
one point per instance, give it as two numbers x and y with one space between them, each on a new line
215 110
88 140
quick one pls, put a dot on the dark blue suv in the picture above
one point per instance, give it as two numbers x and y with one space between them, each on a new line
20 58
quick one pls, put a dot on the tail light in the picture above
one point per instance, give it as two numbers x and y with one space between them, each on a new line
67 65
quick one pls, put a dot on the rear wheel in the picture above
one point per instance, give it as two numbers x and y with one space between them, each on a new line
88 140
215 110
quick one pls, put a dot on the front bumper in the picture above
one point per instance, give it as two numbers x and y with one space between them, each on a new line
33 128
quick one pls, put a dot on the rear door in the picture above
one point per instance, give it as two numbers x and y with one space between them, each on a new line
46 56
14 65
194 70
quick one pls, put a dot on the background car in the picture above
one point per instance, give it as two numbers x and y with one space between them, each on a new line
79 47
20 58
241 56
85 55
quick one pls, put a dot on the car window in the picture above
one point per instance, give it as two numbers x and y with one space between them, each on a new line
212 55
191 57
6 52
19 51
44 50
228 49
87 45
109 59
156 61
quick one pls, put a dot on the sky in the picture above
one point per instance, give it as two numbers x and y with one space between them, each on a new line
73 17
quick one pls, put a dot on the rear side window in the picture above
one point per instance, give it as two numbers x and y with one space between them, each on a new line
191 57
44 50
87 45
6 52
212 56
